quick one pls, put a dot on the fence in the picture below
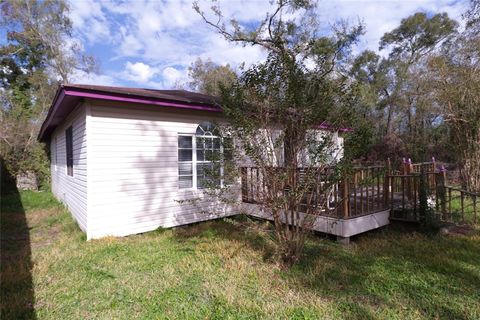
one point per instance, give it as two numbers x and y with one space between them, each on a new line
459 205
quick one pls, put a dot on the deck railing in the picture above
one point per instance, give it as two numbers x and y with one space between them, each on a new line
404 194
459 205
353 195
368 189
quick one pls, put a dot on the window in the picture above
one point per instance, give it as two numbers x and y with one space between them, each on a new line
199 164
185 163
69 150
55 150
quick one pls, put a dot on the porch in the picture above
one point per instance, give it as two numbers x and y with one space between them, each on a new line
368 197
354 204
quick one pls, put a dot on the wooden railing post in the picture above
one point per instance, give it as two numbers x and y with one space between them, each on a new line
243 183
434 167
450 202
386 188
345 196
410 171
441 194
444 174
475 209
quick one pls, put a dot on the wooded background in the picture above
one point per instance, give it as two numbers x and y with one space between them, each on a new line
419 99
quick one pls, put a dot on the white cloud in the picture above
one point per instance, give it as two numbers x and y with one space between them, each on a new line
139 72
81 77
89 20
165 37
171 76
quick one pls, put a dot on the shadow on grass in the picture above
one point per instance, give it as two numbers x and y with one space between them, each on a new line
17 294
395 269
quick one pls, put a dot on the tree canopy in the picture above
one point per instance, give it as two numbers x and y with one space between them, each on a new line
35 58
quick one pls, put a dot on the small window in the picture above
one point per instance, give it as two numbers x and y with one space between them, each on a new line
185 164
69 150
55 150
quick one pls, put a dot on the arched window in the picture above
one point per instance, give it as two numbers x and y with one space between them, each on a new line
207 129
200 157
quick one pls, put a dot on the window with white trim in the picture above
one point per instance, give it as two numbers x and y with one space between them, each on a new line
185 162
199 158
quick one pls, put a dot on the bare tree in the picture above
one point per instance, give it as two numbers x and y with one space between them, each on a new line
275 108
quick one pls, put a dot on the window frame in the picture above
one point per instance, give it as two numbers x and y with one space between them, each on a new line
194 156
195 161
69 150
55 150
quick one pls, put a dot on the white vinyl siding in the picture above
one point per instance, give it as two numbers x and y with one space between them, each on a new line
132 184
71 190
134 170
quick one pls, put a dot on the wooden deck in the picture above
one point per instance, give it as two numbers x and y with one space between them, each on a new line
350 206
366 198
360 194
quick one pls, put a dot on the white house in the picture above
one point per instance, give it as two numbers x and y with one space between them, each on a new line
123 159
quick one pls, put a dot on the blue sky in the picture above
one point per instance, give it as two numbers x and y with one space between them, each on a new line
150 44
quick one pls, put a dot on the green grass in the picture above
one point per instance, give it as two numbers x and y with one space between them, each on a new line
225 270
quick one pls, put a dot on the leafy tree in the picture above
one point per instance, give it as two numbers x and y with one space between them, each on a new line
276 105
32 61
418 35
415 38
455 81
207 77
393 93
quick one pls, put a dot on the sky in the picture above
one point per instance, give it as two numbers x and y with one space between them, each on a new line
151 44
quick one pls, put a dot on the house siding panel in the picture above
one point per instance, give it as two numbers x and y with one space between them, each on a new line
71 190
133 168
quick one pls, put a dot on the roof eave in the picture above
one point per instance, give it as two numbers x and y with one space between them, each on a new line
135 99
64 91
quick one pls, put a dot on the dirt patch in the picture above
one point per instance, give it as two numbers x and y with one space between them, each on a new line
42 231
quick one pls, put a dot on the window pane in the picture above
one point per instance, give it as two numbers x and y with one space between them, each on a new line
69 150
200 131
216 143
184 142
185 155
202 175
184 169
200 143
200 155
208 143
185 182
200 168
208 155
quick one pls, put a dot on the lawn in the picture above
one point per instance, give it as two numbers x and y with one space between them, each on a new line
224 270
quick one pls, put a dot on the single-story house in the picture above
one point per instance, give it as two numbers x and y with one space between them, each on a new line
124 159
